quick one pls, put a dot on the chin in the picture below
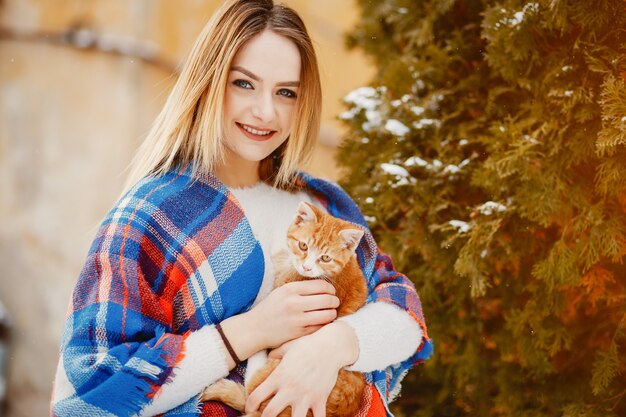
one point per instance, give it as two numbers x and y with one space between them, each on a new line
254 156
257 151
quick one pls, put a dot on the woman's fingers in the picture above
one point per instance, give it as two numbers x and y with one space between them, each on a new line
266 389
299 410
280 401
299 407
310 287
293 310
318 317
277 404
303 379
319 410
319 302
280 351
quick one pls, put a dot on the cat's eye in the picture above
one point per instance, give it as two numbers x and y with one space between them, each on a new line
303 247
326 258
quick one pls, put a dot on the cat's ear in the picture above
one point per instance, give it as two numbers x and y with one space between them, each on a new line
305 214
351 237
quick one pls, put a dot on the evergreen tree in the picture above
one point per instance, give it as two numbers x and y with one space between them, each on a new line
489 156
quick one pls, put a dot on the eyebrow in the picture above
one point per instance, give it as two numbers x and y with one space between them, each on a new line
256 78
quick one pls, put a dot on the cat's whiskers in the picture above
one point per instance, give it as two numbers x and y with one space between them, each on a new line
326 278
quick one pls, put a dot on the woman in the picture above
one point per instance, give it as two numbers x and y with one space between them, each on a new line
177 287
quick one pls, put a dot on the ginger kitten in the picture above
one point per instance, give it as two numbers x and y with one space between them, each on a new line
320 246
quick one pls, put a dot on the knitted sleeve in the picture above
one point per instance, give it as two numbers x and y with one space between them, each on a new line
382 324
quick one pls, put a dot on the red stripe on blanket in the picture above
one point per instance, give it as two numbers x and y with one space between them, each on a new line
150 306
372 405
220 228
216 409
127 232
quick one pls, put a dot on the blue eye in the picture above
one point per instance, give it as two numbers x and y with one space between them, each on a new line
243 84
287 93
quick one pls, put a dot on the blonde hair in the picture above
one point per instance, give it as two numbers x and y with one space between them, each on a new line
189 128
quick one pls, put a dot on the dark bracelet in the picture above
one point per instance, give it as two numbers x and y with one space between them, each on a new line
230 349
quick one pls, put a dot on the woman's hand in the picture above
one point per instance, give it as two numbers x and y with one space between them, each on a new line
307 372
293 310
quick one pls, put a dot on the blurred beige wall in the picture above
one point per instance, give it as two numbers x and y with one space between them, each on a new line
70 120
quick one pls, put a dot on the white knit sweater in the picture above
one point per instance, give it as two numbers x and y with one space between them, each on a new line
269 212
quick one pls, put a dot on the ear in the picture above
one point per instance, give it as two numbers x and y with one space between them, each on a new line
305 214
351 237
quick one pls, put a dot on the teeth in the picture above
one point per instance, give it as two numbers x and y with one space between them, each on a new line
256 132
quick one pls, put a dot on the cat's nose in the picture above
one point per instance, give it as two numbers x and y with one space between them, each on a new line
306 268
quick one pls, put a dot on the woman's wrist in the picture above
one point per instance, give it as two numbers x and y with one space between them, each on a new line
341 340
244 336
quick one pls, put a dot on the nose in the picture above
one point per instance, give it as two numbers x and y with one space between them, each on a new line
263 108
306 268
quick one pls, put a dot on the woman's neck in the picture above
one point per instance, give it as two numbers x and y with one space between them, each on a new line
236 172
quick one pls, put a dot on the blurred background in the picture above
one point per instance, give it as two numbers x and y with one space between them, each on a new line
80 83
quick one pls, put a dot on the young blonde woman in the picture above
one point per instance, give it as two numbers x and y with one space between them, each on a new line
177 290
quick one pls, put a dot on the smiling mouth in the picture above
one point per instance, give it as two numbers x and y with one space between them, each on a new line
255 134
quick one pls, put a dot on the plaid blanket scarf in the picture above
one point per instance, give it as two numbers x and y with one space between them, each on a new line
144 287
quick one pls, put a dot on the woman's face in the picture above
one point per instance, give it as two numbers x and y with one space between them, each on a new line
260 99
